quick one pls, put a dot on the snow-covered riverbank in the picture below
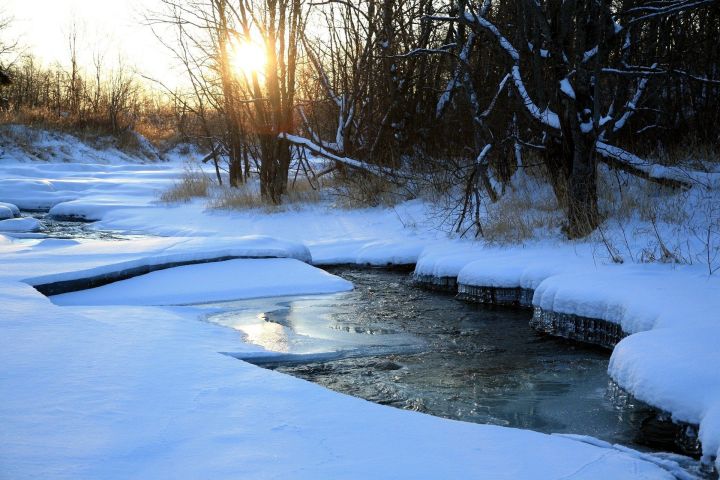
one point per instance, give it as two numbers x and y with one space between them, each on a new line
144 392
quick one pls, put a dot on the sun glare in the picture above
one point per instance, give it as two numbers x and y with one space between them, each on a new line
248 58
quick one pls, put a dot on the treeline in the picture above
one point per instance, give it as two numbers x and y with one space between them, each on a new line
459 94
103 96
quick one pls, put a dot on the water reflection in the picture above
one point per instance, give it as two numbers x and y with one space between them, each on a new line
308 325
394 344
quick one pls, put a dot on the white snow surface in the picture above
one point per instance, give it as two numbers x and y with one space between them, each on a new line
19 224
90 258
143 392
212 282
6 213
137 391
13 208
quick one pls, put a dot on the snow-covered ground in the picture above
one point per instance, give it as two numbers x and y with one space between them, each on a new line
97 390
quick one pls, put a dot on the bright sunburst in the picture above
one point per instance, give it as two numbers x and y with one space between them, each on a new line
248 58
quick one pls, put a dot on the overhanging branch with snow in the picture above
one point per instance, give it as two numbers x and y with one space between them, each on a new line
350 162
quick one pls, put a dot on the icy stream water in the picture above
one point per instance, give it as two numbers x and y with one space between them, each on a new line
70 229
394 344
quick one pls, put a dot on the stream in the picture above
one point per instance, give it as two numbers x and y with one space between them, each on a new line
392 343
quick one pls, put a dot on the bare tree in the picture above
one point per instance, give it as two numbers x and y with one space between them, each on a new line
568 64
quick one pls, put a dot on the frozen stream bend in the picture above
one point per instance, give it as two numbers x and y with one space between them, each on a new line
159 394
181 410
394 344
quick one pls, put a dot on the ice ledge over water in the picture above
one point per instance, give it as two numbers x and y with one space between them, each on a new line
180 251
670 358
212 282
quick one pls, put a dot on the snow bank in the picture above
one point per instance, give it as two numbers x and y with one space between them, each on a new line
212 282
6 213
333 236
684 379
23 143
154 254
670 361
526 267
27 224
390 253
94 207
672 366
12 207
638 297
110 177
447 260
142 392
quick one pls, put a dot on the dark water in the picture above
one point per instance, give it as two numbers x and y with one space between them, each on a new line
71 229
424 351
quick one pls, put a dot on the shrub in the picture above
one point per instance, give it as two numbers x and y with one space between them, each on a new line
193 184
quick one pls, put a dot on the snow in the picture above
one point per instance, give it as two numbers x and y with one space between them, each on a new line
687 368
524 267
101 390
363 236
546 117
667 308
19 225
567 88
5 213
319 150
670 360
143 392
13 208
655 171
93 207
212 282
638 297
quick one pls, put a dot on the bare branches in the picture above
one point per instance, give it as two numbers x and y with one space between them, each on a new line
616 157
350 162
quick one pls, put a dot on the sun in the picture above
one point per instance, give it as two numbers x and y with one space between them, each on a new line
248 58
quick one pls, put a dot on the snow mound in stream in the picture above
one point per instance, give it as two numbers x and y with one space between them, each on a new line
212 282
19 225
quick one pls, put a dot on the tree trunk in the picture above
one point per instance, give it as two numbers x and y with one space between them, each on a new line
582 208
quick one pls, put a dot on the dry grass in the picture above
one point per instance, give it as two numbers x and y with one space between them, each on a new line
359 189
95 129
527 210
193 184
241 198
247 197
691 152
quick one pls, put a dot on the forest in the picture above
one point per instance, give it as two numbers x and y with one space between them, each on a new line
413 97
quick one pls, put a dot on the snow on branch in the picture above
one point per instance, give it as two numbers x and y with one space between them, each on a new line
442 50
324 80
641 71
621 159
318 150
544 116
454 82
501 87
547 117
490 27
631 105
669 8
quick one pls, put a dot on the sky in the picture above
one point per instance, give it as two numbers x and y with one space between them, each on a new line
113 27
